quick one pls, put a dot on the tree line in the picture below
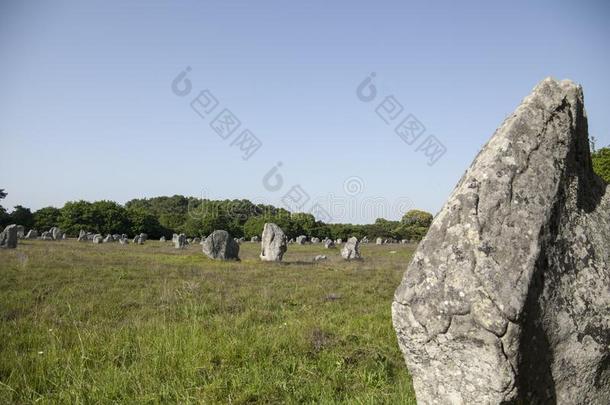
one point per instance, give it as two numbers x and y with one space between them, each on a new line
163 216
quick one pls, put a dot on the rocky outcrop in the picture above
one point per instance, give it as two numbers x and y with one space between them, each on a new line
507 298
274 243
221 246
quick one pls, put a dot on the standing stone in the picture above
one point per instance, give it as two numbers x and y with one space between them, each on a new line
220 245
179 241
20 231
351 249
8 237
46 236
254 239
364 240
319 258
97 238
197 240
339 241
82 236
274 243
55 233
329 244
301 240
507 298
32 234
379 241
162 239
108 239
315 240
123 240
143 237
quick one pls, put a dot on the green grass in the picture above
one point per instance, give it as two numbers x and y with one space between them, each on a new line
83 323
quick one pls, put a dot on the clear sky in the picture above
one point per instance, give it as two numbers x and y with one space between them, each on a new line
87 109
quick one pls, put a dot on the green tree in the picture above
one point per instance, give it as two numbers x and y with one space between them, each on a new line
46 218
4 216
110 217
417 218
77 216
22 216
601 163
144 222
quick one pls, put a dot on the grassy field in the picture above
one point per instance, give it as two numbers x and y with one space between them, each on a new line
83 323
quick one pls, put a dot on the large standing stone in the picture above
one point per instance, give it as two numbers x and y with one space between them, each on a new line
329 244
351 249
274 243
379 241
82 236
8 237
109 239
32 234
97 238
301 240
507 298
220 245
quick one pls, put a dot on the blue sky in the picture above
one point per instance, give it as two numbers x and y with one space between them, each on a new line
87 110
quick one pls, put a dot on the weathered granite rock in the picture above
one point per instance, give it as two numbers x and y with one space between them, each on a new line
123 240
329 244
97 238
351 249
162 239
319 258
364 240
143 237
315 240
379 241
55 233
339 241
255 239
274 243
220 245
8 237
20 231
507 298
179 241
82 236
46 236
301 240
108 239
32 234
